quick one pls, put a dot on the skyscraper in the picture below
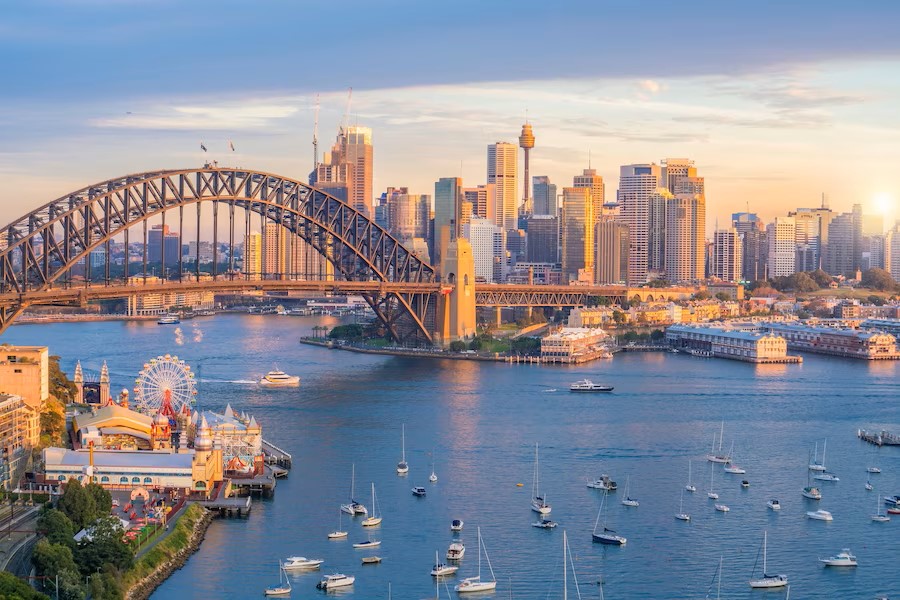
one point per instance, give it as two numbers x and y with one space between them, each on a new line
636 184
488 249
407 214
781 238
811 236
501 171
685 238
577 231
346 171
253 255
754 245
674 170
727 255
844 252
545 196
611 259
590 179
543 239
892 252
526 142
656 225
274 245
447 209
160 240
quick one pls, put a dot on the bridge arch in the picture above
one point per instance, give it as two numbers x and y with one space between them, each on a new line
43 246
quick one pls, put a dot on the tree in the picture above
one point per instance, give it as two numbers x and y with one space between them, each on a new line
475 344
619 317
723 296
13 588
821 277
657 335
53 559
659 283
78 505
878 279
702 295
58 528
102 498
61 387
802 282
876 300
105 547
457 346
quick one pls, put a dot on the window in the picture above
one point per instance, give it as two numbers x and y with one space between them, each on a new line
135 480
17 370
123 479
148 480
62 477
104 479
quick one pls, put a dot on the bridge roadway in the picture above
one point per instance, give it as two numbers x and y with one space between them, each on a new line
485 294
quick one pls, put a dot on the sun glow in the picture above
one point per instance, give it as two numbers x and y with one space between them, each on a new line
884 203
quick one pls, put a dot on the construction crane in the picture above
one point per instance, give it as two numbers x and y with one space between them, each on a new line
316 136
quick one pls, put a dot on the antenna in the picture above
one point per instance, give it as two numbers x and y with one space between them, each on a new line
316 136
345 122
589 159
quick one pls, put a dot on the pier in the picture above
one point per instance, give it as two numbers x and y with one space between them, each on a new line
276 456
263 485
879 438
225 504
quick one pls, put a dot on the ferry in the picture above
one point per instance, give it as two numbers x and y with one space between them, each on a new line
586 385
169 319
278 378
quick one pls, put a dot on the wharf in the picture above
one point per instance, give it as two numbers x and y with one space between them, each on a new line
263 485
276 456
879 438
225 504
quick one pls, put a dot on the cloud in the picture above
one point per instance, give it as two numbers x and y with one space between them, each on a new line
249 114
649 131
652 86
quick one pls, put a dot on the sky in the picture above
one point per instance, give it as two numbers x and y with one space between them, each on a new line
777 102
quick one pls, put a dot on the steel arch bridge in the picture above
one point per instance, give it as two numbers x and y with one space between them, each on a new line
41 249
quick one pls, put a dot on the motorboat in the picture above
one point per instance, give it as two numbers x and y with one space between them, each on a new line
892 500
544 524
169 319
767 581
276 378
745 484
812 493
301 562
440 569
475 584
774 504
367 544
335 581
419 491
826 476
869 486
604 483
873 470
820 515
371 560
456 525
734 469
893 511
844 558
586 385
722 508
284 585
456 551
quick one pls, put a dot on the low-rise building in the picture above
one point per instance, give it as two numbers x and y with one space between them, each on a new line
850 343
158 303
574 345
594 316
724 342
19 433
25 372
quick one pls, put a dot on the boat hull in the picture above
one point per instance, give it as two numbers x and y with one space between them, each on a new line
768 582
609 540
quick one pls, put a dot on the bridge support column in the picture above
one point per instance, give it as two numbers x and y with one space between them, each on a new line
456 310
499 310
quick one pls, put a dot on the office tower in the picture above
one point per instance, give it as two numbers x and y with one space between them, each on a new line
501 171
590 179
545 202
526 142
488 249
727 255
253 255
516 241
274 246
685 238
892 252
636 184
673 171
754 245
811 236
872 252
656 229
160 240
483 200
745 221
577 231
781 238
543 239
844 252
349 163
447 201
611 259
406 214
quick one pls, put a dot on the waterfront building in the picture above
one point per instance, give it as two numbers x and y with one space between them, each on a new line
848 343
447 221
611 260
685 238
781 246
488 249
483 199
115 427
727 255
593 316
891 326
543 239
238 436
161 241
501 171
574 345
843 255
20 430
545 202
636 185
723 342
163 302
577 231
590 179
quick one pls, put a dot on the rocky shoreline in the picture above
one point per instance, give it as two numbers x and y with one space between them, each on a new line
142 589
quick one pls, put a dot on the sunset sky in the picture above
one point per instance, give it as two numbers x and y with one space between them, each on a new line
776 101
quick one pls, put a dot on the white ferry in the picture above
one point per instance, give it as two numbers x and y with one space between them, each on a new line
586 385
169 319
278 378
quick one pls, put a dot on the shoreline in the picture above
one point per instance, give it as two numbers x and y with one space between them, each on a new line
402 352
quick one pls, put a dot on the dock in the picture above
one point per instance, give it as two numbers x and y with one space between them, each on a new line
225 504
879 438
276 456
263 485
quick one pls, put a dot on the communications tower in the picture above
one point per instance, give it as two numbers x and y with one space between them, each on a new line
526 142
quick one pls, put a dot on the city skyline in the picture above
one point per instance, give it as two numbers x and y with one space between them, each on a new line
770 123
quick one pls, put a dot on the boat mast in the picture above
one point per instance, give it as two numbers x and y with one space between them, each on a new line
403 443
765 565
824 447
565 571
721 436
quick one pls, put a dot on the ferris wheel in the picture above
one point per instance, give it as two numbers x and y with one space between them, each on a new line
164 377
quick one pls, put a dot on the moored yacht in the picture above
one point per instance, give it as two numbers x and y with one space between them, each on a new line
774 504
812 493
844 558
335 581
456 551
301 562
276 378
170 319
826 476
456 525
604 483
820 515
586 385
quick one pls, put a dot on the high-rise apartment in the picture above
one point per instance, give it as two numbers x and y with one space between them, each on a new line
253 255
544 196
590 179
488 249
781 239
543 239
611 258
406 214
483 201
577 231
447 209
160 241
656 236
685 238
346 171
892 252
636 185
675 170
844 252
811 236
754 245
727 255
501 171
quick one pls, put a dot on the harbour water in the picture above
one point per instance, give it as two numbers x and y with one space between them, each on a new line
479 422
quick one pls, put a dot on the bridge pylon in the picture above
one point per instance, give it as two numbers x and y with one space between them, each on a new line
456 314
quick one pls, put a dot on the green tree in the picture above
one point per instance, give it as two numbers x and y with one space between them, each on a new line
475 344
723 296
352 332
821 277
619 317
457 346
105 547
61 387
58 528
802 282
102 498
51 559
657 335
78 505
878 279
659 283
876 300
702 295
13 588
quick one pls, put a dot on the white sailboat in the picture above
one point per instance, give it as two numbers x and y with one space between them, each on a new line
567 560
402 467
714 455
539 502
730 467
628 500
375 519
711 494
284 585
878 517
339 532
440 569
690 484
353 507
716 577
681 515
433 477
767 581
815 465
475 584
606 536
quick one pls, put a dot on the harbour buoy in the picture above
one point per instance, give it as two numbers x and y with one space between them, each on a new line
519 484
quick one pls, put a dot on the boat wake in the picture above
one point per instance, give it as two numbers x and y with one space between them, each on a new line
550 390
235 381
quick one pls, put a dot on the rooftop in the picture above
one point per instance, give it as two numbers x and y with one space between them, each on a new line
61 457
